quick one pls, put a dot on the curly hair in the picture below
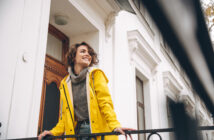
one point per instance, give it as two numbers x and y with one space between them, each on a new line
73 50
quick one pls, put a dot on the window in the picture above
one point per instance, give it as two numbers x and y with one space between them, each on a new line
140 108
169 117
54 47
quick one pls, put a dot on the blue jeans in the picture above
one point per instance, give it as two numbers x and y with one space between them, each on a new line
84 128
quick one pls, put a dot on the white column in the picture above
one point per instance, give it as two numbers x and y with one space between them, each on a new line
23 36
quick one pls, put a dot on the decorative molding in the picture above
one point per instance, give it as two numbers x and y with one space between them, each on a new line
57 68
51 77
203 110
187 100
114 5
203 106
190 104
108 9
171 83
201 117
133 46
110 21
138 46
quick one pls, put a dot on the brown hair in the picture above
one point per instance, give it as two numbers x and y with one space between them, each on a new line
73 50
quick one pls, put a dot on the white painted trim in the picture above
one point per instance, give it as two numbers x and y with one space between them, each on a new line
86 15
171 83
114 5
109 23
141 48
190 104
38 74
188 100
142 19
143 69
147 96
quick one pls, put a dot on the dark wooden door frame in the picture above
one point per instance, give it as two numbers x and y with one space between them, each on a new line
54 70
61 36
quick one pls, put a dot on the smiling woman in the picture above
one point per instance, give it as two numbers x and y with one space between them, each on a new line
86 104
83 58
82 55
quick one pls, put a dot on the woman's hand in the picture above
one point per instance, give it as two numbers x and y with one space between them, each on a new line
43 134
122 129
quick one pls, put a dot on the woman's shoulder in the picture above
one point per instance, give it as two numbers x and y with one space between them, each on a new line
97 72
64 80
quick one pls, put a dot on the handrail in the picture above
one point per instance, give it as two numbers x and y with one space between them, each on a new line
93 135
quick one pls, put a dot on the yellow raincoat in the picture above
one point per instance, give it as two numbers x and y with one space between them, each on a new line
101 112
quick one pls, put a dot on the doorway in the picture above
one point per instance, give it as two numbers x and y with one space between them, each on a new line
76 29
55 70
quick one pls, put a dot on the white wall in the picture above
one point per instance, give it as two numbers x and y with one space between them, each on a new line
23 42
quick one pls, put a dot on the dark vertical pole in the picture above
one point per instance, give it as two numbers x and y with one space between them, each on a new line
185 126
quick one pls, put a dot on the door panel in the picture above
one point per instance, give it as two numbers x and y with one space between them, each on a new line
54 72
51 107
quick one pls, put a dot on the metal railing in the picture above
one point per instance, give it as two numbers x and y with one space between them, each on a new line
94 136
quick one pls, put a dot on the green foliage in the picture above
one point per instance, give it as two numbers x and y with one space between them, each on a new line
208 9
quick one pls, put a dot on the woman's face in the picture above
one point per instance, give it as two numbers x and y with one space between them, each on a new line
83 58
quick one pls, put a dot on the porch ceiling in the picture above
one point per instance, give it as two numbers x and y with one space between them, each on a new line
77 23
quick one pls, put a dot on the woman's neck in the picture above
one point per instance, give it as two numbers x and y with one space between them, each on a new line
77 69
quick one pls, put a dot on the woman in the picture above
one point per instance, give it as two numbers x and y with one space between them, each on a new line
86 104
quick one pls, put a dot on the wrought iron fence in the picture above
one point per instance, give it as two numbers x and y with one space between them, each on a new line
94 136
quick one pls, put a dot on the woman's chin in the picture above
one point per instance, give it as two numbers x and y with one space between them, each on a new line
85 65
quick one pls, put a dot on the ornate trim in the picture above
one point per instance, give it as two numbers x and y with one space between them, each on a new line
190 104
141 48
187 100
109 23
55 67
115 6
171 83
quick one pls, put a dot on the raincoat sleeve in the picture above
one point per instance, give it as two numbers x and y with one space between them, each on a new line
104 99
59 129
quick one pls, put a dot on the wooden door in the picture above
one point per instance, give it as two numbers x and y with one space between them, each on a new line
54 71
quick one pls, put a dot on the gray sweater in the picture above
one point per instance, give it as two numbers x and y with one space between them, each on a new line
79 95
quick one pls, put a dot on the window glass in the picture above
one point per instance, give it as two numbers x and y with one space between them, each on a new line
54 47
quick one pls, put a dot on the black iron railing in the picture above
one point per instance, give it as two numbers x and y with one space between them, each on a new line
94 136
185 128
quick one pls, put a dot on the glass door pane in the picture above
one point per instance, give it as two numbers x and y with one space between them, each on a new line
54 47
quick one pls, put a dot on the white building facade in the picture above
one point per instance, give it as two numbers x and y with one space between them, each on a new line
143 73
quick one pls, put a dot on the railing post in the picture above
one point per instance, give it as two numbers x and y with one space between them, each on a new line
0 126
102 137
154 133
